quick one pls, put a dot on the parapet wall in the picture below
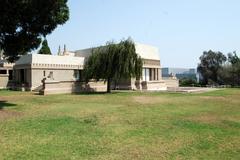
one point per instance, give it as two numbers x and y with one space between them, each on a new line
3 81
171 83
56 87
154 86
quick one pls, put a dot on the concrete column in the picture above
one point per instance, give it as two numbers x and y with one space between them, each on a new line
159 74
156 74
143 75
152 70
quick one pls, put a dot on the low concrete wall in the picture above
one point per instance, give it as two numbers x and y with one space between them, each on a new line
171 83
3 81
56 87
123 84
95 87
154 86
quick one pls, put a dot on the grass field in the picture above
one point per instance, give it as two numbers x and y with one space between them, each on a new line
124 125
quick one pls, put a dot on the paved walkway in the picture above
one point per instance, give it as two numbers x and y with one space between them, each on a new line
191 89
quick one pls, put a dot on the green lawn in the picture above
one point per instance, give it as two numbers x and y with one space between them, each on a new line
124 125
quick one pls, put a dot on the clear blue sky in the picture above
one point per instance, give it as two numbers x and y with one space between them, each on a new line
181 29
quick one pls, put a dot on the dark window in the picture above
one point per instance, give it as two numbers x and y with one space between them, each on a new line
76 75
44 73
3 71
10 72
80 75
154 74
150 74
22 76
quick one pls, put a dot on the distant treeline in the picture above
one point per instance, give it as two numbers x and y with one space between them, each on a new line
215 68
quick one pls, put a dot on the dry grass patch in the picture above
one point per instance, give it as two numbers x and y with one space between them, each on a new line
214 98
6 114
232 142
149 100
205 118
158 148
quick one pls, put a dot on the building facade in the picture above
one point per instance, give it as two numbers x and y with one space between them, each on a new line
30 70
62 73
151 74
6 74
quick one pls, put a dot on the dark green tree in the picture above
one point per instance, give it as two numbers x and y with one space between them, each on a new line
226 74
187 82
23 23
45 48
234 68
233 58
211 64
113 62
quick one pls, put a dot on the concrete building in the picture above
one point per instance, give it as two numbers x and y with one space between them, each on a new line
151 74
6 72
62 73
30 70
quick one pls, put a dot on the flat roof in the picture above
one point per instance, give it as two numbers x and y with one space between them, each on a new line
50 59
143 50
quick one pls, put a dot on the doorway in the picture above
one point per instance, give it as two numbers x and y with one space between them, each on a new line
22 75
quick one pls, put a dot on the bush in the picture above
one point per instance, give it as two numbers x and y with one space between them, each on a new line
188 82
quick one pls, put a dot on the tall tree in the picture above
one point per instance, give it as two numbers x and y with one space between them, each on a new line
113 62
23 23
233 58
45 48
210 66
234 68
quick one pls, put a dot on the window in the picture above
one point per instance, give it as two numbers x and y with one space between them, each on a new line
76 75
154 74
44 73
143 74
22 75
10 72
147 74
3 71
80 75
150 74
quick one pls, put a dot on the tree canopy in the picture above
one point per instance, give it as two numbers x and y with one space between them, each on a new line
231 71
23 23
113 62
45 48
211 64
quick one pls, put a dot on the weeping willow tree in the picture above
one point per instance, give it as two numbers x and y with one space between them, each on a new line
113 62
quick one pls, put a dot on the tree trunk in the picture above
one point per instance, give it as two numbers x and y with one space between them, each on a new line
109 85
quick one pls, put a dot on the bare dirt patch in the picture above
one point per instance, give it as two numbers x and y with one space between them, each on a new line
213 98
148 100
2 98
6 114
205 118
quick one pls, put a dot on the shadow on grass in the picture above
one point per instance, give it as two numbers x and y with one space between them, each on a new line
5 104
113 92
94 93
